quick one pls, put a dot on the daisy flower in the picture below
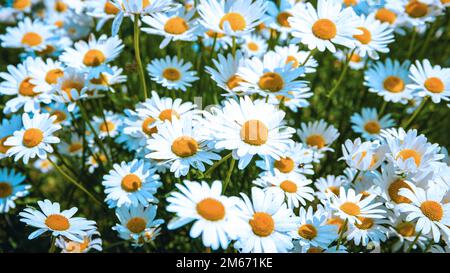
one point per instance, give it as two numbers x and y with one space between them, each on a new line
296 159
391 17
253 45
296 57
375 37
136 223
213 214
44 74
44 165
70 88
293 100
59 223
355 61
267 223
7 129
174 26
103 10
406 234
93 56
89 242
225 71
232 18
29 35
172 73
21 5
432 81
34 139
11 188
327 186
318 135
368 230
107 80
368 124
131 184
313 230
72 147
271 75
415 12
182 144
389 80
363 156
241 127
296 188
61 112
19 83
325 26
427 209
108 124
278 16
352 207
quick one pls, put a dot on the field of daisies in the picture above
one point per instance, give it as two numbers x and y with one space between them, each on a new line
225 126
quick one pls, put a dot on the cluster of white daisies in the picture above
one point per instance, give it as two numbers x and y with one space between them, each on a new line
396 185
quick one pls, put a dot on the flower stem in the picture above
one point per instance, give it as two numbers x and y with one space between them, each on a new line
233 49
343 73
411 44
383 109
311 53
416 113
414 242
52 245
341 234
137 52
73 181
213 46
215 165
227 179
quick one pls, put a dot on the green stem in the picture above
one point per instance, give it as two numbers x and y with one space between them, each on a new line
411 44
215 165
233 49
341 77
356 176
414 242
228 178
137 52
416 113
52 245
383 109
428 38
213 46
341 234
311 53
73 181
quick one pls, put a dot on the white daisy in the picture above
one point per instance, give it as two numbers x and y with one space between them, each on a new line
34 139
11 188
70 88
267 223
72 147
253 45
89 242
278 15
368 124
363 156
213 214
433 81
131 184
368 230
296 57
44 74
172 73
103 10
108 124
355 61
59 223
107 80
328 25
7 129
318 135
327 186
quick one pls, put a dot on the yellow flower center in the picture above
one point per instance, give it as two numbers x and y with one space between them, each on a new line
3 147
93 57
333 189
21 4
394 189
75 147
176 25
107 126
288 186
31 39
252 46
316 141
282 19
53 76
234 81
350 208
372 127
48 50
324 29
355 58
262 224
307 231
101 80
168 114
136 224
32 137
365 37
5 189
235 20
147 126
366 223
69 85
409 153
60 116
350 2
406 229
271 81
26 88
432 209
294 62
337 222
386 16
434 85
131 183
211 209
394 84
254 132
213 34
110 8
171 74
75 247
185 146
60 6
416 9
285 164
57 222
